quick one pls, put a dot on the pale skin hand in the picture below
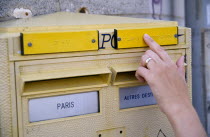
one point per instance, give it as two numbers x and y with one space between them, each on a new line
167 82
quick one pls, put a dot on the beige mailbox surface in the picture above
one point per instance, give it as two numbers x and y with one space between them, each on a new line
60 83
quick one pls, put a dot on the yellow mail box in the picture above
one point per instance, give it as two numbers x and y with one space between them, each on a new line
73 75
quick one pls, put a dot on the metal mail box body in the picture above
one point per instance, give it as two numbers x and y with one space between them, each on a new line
72 75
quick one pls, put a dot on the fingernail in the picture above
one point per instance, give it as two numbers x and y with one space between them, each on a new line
183 58
147 36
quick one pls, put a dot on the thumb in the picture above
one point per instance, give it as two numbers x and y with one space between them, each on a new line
180 65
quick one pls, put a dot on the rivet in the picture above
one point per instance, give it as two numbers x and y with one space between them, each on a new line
30 44
93 40
118 39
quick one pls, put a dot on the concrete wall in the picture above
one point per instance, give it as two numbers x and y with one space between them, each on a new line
159 9
206 46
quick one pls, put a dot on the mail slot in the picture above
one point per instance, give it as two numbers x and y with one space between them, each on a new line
60 80
132 93
125 73
75 76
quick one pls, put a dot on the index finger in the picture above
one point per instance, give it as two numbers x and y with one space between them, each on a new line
156 48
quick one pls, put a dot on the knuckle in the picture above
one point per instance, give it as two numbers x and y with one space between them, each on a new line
136 74
148 52
151 40
143 56
160 69
138 71
166 67
142 60
159 49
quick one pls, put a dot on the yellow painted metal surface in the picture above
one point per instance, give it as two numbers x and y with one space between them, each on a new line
55 42
77 21
130 38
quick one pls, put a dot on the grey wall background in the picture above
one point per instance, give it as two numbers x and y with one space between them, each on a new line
171 10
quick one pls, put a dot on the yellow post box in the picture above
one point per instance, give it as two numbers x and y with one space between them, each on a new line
73 75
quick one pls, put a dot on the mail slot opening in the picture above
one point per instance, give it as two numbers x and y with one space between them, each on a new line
125 77
124 74
55 107
136 96
72 83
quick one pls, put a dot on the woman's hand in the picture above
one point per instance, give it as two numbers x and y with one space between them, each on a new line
165 78
167 82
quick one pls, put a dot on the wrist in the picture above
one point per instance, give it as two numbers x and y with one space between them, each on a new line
179 114
178 109
185 121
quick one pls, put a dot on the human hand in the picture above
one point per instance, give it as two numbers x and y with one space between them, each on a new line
165 78
167 82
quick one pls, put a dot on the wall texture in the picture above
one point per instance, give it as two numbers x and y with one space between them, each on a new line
158 9
206 46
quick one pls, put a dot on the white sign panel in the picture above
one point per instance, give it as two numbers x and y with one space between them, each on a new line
136 96
63 106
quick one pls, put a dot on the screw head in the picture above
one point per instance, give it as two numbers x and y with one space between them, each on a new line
93 40
30 44
118 39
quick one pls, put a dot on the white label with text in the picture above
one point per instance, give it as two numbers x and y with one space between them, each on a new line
136 96
63 106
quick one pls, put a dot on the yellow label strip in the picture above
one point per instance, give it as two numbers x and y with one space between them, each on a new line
56 42
131 38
